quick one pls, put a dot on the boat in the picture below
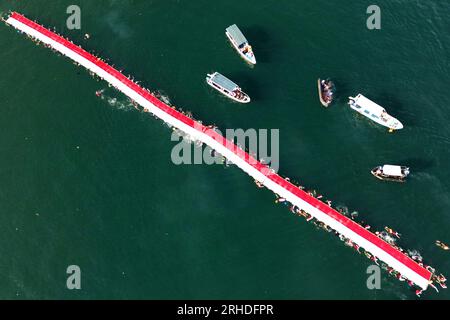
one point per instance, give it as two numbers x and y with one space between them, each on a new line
374 112
240 43
227 87
326 91
391 172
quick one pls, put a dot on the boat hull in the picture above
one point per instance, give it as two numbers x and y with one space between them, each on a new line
391 122
245 100
251 60
319 87
384 177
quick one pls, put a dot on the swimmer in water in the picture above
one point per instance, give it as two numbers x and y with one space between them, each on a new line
390 231
303 214
280 200
259 184
443 285
400 277
433 286
375 259
442 245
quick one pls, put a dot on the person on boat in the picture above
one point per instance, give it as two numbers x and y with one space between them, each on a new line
442 245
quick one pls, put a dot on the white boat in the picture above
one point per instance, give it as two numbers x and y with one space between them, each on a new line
227 87
390 172
240 43
374 112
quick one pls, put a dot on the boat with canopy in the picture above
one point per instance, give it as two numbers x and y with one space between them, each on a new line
240 43
391 173
227 87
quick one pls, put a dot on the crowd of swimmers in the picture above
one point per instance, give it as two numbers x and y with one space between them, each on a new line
388 234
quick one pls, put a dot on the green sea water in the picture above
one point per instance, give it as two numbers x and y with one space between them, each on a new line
90 182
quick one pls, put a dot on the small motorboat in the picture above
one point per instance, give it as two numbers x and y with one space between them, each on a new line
227 87
240 43
374 112
326 92
391 173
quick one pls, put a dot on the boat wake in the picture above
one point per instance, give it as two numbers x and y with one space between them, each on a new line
161 95
124 105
